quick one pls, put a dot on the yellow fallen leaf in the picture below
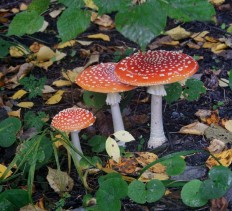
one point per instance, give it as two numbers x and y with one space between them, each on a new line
211 39
193 45
18 51
25 104
45 53
31 207
60 83
208 45
228 125
178 33
217 2
47 89
99 36
199 37
85 43
23 6
70 75
112 149
224 157
69 43
219 47
58 143
16 113
94 58
56 98
3 169
90 4
19 94
195 128
44 65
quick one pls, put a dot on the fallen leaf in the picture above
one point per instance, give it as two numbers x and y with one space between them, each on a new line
103 20
23 6
18 51
44 65
56 98
55 13
216 146
60 83
203 114
35 47
15 10
31 207
59 181
123 136
195 128
47 89
71 75
228 125
193 45
90 4
19 94
25 104
94 58
69 43
3 169
44 26
217 2
178 33
84 43
147 176
199 37
223 82
99 36
45 53
58 56
112 149
16 113
224 157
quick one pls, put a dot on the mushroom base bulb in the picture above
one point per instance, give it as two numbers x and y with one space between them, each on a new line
156 142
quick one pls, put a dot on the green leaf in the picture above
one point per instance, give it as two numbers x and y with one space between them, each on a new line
72 3
72 22
106 6
13 199
137 23
193 89
27 22
94 99
189 10
174 166
174 91
33 120
4 47
85 164
38 6
230 79
8 130
141 193
97 143
190 194
108 176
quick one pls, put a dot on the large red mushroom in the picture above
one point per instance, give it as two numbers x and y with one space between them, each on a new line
154 69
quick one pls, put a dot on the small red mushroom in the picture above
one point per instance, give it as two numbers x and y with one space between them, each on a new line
154 69
101 78
73 120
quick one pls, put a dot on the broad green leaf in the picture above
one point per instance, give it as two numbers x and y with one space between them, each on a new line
13 199
189 10
230 79
8 130
106 6
102 179
193 89
221 174
142 193
4 47
112 149
72 3
174 91
97 143
38 6
142 23
72 22
94 99
174 166
190 194
27 22
123 136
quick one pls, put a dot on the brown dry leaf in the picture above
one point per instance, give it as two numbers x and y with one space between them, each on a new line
69 43
224 157
199 36
217 2
19 94
146 158
35 47
18 51
213 118
59 181
94 58
55 13
56 98
103 20
58 56
195 128
71 75
178 33
23 6
48 89
45 53
15 10
99 36
3 169
216 146
193 45
16 113
159 42
203 114
31 207
228 125
60 83
25 104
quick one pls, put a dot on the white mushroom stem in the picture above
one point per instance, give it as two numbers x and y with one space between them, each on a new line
76 143
157 137
113 99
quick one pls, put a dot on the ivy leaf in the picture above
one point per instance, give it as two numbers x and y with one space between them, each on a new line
39 6
193 89
137 23
27 22
72 22
106 6
230 79
174 91
189 10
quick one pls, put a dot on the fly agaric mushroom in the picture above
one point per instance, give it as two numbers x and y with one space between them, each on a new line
100 78
154 69
73 120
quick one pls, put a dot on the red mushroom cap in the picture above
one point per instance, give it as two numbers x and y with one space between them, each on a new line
72 119
155 67
101 78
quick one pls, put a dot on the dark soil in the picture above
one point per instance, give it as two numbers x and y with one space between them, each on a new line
175 115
